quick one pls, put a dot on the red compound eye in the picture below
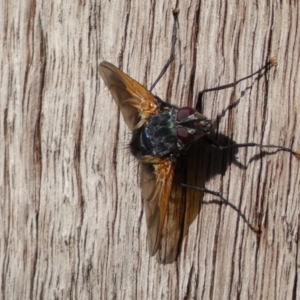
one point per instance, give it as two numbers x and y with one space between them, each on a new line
184 112
184 135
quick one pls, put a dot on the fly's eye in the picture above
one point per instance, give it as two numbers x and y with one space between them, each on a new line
184 112
184 135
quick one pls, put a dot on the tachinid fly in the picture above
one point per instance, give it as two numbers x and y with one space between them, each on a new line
161 134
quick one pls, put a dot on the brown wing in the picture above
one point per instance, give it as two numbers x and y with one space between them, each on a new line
156 184
137 104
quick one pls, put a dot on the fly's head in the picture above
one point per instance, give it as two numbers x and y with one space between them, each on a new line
191 125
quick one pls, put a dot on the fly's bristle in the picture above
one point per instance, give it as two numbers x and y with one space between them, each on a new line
273 61
297 154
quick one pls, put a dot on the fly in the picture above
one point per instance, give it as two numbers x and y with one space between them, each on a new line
161 134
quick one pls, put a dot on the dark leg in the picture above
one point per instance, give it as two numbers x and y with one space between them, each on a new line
225 201
208 139
272 62
172 55
278 148
215 144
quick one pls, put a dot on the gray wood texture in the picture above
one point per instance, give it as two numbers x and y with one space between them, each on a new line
72 222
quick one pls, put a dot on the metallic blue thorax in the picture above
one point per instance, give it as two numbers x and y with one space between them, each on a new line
157 137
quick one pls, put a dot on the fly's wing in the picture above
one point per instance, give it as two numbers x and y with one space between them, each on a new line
137 104
156 183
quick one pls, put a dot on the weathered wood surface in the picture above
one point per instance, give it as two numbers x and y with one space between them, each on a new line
72 223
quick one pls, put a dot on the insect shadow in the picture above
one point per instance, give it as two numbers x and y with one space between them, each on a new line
202 162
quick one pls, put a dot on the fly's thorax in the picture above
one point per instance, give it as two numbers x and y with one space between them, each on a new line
169 133
157 137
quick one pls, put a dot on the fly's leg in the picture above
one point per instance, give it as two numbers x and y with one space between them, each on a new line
256 229
215 144
172 55
271 63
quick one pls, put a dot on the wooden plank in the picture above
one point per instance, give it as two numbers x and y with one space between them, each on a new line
72 216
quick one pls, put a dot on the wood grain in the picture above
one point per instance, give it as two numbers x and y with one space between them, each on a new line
71 212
